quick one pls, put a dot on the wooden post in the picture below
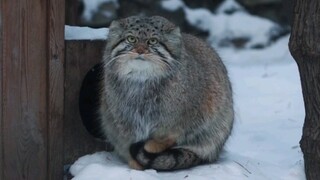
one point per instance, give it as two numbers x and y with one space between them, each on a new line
24 86
73 10
305 48
55 96
31 89
1 99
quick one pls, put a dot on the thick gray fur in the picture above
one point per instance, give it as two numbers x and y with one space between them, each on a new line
189 96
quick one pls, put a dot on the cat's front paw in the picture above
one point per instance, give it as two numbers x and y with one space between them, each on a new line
142 156
157 146
133 164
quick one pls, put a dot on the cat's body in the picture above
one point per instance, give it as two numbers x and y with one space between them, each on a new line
166 102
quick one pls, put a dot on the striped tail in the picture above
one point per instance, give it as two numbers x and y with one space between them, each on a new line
170 159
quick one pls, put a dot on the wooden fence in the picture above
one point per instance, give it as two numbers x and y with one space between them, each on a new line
40 126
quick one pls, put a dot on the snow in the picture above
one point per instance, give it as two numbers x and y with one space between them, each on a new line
222 26
85 33
268 102
268 55
91 6
229 6
172 5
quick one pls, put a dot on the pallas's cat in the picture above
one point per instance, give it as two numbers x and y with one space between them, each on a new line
166 100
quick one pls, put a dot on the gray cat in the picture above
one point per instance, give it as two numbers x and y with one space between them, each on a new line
166 100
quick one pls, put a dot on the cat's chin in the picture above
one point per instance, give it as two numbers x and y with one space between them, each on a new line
140 69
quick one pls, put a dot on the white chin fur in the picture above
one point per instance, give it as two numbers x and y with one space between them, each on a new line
140 70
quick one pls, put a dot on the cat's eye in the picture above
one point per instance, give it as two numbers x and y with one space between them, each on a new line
152 41
131 39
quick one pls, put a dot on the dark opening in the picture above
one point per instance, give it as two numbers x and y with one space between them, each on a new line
89 101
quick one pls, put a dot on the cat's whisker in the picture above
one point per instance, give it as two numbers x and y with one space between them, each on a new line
174 60
166 63
170 65
161 61
113 59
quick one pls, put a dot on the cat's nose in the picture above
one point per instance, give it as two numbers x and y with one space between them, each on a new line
141 49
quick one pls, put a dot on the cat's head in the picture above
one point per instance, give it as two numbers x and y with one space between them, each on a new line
143 47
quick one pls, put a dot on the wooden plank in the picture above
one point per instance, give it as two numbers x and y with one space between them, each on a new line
73 10
24 89
81 56
1 100
56 23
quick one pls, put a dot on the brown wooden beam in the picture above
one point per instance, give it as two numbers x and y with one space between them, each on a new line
56 21
1 100
73 12
31 88
24 87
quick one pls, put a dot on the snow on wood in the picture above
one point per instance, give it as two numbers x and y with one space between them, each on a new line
85 33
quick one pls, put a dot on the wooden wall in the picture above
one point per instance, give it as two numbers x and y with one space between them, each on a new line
31 87
1 99
40 125
81 56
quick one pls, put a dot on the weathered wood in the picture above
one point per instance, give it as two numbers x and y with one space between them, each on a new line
73 10
81 56
310 142
1 100
24 89
56 21
304 46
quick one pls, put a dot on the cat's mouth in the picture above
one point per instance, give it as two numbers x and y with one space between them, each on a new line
147 58
140 57
141 67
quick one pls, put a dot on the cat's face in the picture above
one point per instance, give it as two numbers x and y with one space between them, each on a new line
143 48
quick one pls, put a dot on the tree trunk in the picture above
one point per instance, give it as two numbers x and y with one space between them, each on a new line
305 48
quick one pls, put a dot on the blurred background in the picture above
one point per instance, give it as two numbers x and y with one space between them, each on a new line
225 23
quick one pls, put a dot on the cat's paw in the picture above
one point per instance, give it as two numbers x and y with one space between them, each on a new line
154 146
133 164
139 154
158 145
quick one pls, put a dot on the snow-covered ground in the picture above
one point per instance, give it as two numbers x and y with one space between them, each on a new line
268 104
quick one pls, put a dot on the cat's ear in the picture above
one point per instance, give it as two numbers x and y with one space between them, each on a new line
115 32
174 34
175 31
173 40
115 25
115 28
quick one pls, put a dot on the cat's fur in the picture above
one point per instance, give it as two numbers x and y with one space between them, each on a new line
166 105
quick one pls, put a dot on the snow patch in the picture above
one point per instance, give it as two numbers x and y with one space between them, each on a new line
229 6
277 52
172 5
224 27
85 33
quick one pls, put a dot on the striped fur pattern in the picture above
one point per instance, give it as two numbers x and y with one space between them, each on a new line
166 100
